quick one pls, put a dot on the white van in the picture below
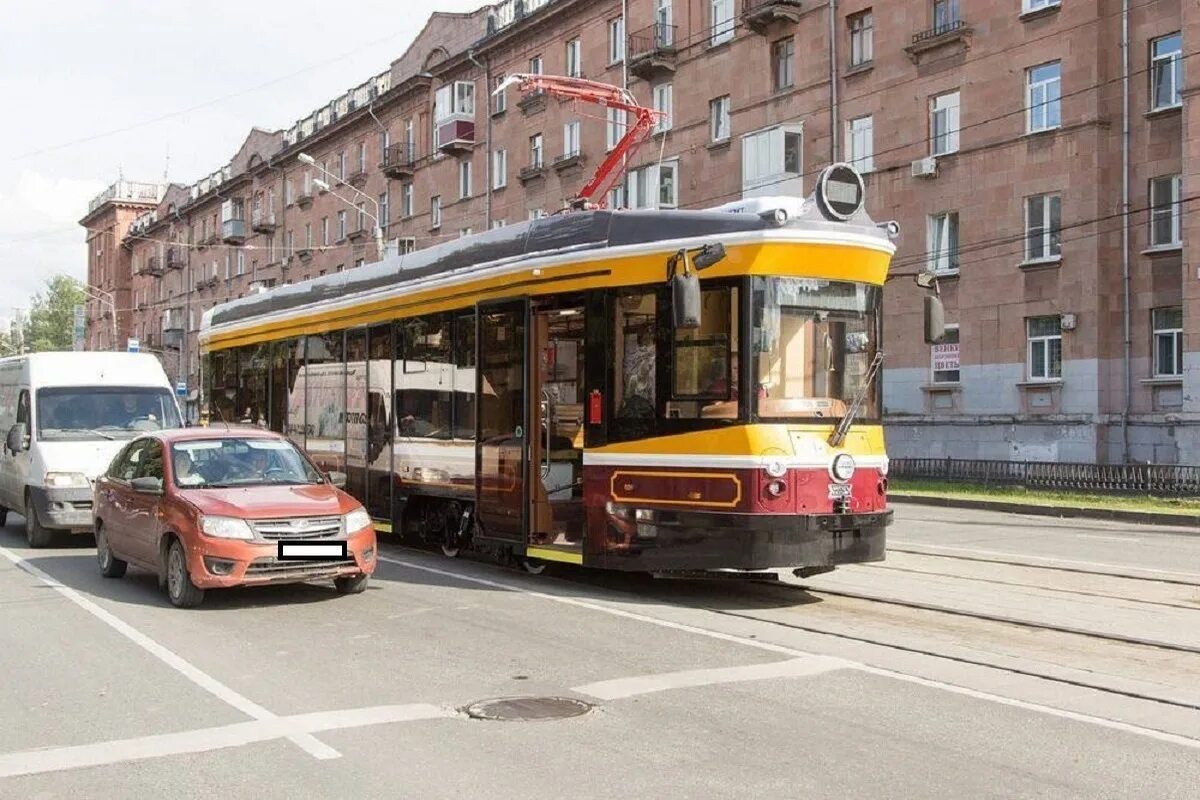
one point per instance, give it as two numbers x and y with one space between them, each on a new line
64 416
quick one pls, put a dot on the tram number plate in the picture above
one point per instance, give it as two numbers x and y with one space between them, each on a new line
839 491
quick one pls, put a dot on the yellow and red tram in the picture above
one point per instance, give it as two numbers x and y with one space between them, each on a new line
547 391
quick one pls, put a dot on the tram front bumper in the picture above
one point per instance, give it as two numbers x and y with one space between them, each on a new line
664 540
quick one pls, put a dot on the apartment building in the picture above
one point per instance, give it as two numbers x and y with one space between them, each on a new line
994 133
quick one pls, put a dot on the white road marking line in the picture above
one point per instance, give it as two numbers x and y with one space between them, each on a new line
1107 538
775 648
1046 560
57 759
304 741
620 688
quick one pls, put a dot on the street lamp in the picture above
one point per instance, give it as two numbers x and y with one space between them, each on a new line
305 158
102 296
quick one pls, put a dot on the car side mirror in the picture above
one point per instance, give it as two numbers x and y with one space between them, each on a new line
18 438
338 479
147 485
935 319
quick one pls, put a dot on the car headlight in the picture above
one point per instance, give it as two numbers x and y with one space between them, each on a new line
226 528
66 480
842 467
356 520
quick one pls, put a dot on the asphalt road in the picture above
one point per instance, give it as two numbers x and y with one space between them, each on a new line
864 683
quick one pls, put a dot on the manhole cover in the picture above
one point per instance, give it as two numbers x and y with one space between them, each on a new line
527 709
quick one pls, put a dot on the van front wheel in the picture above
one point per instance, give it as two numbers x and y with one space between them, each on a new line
35 534
3 517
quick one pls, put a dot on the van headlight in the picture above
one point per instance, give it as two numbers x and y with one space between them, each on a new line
66 480
356 520
226 528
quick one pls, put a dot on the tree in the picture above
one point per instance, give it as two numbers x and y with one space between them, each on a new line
7 348
51 322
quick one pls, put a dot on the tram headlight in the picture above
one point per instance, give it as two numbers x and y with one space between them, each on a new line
841 469
776 488
776 469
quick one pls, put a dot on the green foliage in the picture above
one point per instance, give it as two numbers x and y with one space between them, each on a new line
7 348
52 315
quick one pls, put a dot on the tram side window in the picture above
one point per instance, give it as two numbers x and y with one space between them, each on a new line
704 366
223 382
325 400
464 377
634 347
287 391
253 376
425 378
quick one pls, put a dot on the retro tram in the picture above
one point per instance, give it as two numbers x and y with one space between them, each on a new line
661 391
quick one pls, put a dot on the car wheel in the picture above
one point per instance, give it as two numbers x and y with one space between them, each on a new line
3 517
180 589
35 534
355 584
110 565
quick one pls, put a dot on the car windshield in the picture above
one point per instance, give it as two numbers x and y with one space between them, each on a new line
229 462
82 413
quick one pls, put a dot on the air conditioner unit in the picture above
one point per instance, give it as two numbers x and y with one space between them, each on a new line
925 167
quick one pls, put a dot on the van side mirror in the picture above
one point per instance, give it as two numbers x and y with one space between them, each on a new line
685 300
147 485
935 319
338 479
17 439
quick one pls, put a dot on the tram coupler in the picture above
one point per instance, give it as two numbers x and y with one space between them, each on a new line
715 575
808 572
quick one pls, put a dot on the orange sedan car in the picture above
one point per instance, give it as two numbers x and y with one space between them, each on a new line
207 509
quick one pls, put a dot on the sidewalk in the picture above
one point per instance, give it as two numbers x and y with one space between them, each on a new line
1189 523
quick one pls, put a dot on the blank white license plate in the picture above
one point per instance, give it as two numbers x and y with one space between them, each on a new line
312 551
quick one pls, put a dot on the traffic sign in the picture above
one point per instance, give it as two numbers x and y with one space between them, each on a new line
133 345
181 389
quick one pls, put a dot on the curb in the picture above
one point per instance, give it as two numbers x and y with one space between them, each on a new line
1142 517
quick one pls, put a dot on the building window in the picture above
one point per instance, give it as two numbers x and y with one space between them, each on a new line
783 56
663 97
616 40
574 59
406 200
616 197
362 158
499 169
535 151
944 358
358 262
771 156
499 101
1028 6
435 211
464 179
718 118
452 100
1166 71
536 213
1166 211
1043 227
341 225
1043 97
943 124
860 143
341 168
406 245
308 241
721 14
942 244
654 186
535 65
324 231
385 209
385 141
862 38
362 216
464 232
571 139
1045 348
616 119
241 263
1168 342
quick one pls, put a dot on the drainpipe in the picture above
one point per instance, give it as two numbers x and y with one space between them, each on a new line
387 182
1125 288
834 126
487 172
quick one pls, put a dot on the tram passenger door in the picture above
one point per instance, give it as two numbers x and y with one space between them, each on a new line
556 413
502 420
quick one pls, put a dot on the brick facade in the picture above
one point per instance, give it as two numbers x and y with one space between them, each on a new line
998 407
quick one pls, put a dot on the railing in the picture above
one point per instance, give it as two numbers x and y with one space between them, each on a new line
654 39
127 190
260 218
154 265
402 155
174 258
939 30
1164 479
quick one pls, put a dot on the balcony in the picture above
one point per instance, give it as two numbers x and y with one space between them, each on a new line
568 160
233 231
357 179
945 34
760 15
652 51
303 198
154 266
304 253
173 321
360 234
263 220
174 258
531 172
399 160
456 133
532 103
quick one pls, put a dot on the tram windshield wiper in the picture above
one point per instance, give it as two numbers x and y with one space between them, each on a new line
843 427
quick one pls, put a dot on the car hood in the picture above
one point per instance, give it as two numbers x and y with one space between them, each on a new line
271 502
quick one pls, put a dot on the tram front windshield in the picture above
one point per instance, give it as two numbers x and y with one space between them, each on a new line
812 346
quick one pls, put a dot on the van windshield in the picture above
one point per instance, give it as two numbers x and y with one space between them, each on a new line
88 413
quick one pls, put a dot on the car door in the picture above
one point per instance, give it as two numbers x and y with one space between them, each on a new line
113 499
16 462
142 509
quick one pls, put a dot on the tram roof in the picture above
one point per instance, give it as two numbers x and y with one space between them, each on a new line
580 231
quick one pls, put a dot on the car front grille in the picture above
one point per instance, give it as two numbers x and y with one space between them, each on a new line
298 528
275 569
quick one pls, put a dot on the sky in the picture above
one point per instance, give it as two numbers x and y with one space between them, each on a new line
148 90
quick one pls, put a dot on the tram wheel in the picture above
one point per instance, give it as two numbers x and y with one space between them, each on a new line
451 524
534 566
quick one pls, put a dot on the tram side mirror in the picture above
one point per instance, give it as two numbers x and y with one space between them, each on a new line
935 319
685 301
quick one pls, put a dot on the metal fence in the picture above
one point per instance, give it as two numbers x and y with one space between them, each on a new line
1163 479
